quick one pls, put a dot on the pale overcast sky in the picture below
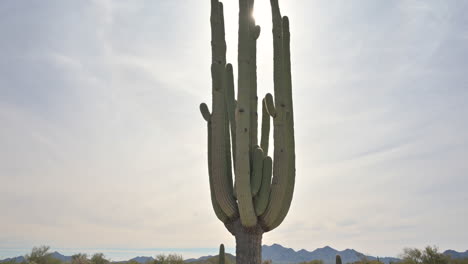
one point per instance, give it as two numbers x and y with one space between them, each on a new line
102 144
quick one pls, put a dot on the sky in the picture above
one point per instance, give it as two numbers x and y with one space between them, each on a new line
102 145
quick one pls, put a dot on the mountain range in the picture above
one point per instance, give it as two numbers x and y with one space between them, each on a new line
456 255
279 255
282 255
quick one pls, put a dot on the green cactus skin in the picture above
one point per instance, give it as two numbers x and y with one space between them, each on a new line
265 128
222 257
270 105
338 259
257 172
259 199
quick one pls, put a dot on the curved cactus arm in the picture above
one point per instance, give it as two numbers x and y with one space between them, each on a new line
256 180
289 125
264 142
205 112
221 184
261 201
243 123
216 208
283 166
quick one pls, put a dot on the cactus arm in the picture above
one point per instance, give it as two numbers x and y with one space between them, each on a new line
289 127
261 201
264 142
254 32
284 168
217 209
205 112
227 139
243 190
256 180
270 105
279 155
221 184
231 108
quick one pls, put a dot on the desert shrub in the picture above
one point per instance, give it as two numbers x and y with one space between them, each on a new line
98 258
169 259
315 261
80 258
41 255
429 255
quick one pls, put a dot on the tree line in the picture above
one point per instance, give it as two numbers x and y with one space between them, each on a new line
41 255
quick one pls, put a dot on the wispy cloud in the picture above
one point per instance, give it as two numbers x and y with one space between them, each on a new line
102 145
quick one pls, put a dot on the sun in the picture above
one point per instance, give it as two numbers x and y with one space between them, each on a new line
262 13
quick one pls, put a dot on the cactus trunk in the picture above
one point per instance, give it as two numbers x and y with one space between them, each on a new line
248 242
249 248
260 198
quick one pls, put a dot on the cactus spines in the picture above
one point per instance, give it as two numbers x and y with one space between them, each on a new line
263 186
222 257
338 259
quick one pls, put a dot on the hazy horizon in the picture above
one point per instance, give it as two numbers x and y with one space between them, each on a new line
120 254
102 144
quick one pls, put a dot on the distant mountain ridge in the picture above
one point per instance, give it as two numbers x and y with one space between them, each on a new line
455 254
61 257
278 254
142 259
14 259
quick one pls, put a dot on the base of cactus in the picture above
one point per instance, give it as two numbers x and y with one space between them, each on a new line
248 242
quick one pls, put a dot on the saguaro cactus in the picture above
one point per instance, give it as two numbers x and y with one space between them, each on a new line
221 256
338 259
259 199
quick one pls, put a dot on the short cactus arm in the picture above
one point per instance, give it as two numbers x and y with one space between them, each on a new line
205 113
283 165
220 163
261 201
243 122
270 105
257 168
